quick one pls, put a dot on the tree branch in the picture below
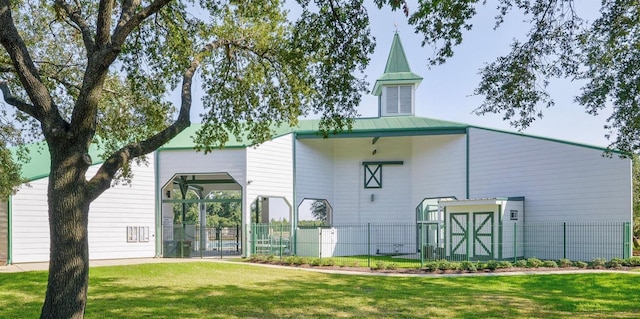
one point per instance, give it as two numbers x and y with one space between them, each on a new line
80 23
129 22
103 27
102 180
11 100
43 108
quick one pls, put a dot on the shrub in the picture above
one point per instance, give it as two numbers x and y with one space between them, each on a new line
598 263
354 263
431 266
534 262
520 263
316 262
379 265
580 264
550 264
392 266
328 262
505 264
469 266
634 261
444 264
614 263
564 263
492 265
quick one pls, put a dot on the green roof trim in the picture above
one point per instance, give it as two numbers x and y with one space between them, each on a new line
397 70
40 160
38 166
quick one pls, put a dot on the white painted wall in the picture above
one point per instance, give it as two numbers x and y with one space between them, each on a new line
352 202
231 160
270 170
30 223
332 168
4 231
109 215
439 167
314 169
560 181
172 162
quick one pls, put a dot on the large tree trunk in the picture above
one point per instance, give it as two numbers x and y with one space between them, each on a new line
68 220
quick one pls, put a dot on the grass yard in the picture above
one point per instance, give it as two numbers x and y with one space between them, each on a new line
221 290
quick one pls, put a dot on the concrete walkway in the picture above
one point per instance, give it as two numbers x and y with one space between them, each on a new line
98 263
22 267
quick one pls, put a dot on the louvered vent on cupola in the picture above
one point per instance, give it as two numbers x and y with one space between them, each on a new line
396 87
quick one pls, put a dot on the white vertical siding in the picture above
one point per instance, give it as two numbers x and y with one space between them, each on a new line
314 169
560 181
4 231
352 202
270 170
30 223
232 161
118 207
439 167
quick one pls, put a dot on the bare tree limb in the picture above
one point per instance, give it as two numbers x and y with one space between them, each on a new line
127 25
11 100
80 23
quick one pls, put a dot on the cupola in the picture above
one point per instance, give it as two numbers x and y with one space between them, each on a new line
396 88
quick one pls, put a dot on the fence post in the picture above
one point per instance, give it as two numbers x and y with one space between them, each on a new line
280 244
421 244
369 245
626 232
564 240
515 242
320 242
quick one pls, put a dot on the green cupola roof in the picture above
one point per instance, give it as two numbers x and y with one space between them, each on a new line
397 70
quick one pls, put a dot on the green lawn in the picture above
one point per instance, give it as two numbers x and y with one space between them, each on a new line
217 290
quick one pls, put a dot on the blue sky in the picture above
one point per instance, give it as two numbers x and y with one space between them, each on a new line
445 93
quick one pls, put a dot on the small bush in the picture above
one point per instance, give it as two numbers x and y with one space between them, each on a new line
598 263
316 262
565 263
469 266
431 266
633 261
614 263
492 265
580 264
520 263
505 264
379 265
354 263
550 264
444 264
534 262
392 266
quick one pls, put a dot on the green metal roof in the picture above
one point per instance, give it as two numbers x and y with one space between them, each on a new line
40 160
380 126
397 70
38 166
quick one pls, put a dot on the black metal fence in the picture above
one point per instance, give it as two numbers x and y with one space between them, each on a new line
417 243
194 241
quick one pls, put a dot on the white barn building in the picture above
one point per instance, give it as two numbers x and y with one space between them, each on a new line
466 186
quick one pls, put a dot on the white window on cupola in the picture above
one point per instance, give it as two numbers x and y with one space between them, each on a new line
399 100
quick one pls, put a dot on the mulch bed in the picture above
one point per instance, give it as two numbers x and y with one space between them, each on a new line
440 272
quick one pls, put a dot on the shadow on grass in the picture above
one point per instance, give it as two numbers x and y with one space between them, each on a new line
210 290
